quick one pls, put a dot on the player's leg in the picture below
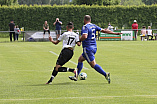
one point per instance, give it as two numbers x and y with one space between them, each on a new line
80 64
54 73
58 64
89 55
65 69
65 56
99 69
79 68
57 69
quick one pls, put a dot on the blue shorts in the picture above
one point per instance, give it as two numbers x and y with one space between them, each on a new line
88 53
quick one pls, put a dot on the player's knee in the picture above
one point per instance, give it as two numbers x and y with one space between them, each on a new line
79 60
92 66
55 68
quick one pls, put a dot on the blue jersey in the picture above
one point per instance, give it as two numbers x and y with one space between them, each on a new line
90 29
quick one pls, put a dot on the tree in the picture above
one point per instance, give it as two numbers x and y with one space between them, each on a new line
111 2
59 2
131 2
8 2
98 2
149 2
42 2
32 2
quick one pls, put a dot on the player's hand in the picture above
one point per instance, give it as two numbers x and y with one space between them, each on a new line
50 38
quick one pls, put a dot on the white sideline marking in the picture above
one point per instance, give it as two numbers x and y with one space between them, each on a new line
97 97
69 60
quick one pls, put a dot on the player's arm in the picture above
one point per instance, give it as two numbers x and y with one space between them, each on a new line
78 42
109 32
54 42
83 37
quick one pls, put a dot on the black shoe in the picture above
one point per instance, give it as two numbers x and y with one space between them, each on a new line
72 78
49 81
108 78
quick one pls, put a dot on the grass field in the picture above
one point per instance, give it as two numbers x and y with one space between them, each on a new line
25 67
4 37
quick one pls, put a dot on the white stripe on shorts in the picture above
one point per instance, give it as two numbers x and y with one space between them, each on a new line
84 50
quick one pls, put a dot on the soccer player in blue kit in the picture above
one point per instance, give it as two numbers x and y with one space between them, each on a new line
88 39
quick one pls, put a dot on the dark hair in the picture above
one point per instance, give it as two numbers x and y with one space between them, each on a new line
70 25
87 17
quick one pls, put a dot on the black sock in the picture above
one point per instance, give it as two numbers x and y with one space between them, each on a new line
52 77
71 70
62 69
54 73
65 69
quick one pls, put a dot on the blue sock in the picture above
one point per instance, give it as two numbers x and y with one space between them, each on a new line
79 67
99 69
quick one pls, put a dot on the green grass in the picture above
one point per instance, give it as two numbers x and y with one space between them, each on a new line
25 67
4 37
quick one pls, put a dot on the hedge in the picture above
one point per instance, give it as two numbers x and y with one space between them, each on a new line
33 17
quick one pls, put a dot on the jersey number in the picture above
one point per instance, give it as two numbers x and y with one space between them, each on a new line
93 33
70 40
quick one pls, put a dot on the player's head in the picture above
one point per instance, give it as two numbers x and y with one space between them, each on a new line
70 25
87 19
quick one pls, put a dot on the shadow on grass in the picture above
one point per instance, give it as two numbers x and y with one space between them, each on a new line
69 83
64 83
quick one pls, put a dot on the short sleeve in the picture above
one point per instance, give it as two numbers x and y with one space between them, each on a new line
84 30
98 28
61 37
77 38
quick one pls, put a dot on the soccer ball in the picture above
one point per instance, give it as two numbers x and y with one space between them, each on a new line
83 76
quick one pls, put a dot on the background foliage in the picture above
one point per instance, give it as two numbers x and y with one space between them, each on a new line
33 17
8 2
78 2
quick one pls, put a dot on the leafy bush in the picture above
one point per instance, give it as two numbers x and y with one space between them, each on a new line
33 17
